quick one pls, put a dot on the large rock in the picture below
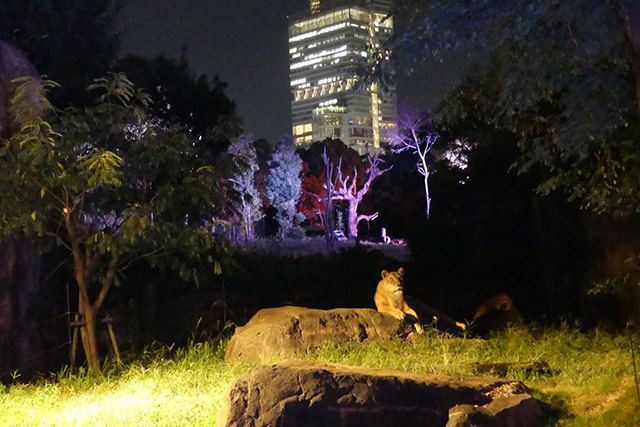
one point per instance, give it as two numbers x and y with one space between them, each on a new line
20 343
13 64
317 394
279 333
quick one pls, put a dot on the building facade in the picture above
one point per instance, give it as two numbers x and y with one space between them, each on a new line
327 44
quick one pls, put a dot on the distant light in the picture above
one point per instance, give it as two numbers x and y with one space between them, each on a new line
328 103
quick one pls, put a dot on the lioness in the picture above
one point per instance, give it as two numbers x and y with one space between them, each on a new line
389 298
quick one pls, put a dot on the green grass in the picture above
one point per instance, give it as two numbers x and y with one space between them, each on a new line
183 388
591 383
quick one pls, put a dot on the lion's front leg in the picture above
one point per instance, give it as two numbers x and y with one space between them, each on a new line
417 323
397 313
391 310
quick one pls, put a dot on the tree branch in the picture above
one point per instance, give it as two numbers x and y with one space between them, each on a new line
366 217
106 283
91 262
154 253
52 234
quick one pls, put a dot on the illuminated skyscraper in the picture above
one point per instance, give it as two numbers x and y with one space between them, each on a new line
326 45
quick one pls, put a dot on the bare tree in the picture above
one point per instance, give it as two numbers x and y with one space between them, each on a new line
346 188
413 133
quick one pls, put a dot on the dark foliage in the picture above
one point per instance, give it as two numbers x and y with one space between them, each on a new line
492 233
562 78
336 150
181 97
71 41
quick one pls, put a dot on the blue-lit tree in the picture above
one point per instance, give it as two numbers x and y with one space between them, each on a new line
284 185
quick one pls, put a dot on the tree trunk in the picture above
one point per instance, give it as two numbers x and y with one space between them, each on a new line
425 173
246 217
330 184
87 311
328 226
88 334
353 218
426 192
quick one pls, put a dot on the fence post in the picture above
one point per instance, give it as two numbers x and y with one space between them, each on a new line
74 343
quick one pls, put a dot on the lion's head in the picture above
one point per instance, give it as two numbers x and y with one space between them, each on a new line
392 281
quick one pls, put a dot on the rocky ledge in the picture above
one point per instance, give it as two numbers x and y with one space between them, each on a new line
319 394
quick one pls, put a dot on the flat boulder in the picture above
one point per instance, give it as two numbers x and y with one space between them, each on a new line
13 64
280 333
299 393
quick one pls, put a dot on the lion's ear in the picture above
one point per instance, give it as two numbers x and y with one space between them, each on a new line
401 271
384 274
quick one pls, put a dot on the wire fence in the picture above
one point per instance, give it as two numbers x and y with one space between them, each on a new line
32 332
39 332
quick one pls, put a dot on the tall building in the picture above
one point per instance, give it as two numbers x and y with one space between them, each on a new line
326 46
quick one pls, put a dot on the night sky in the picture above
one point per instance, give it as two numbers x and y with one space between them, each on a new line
245 43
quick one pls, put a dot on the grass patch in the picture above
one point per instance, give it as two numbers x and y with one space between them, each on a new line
591 383
162 388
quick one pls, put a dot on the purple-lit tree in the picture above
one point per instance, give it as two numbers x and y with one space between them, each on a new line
346 187
413 134
330 185
243 182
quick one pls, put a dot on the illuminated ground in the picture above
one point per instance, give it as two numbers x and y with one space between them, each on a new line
591 384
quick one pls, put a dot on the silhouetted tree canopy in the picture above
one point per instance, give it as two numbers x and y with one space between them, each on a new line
336 150
563 77
181 97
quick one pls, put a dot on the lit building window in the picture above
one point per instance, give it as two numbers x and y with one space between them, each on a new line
298 130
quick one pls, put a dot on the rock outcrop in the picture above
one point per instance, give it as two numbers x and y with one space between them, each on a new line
20 344
280 333
318 394
13 64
